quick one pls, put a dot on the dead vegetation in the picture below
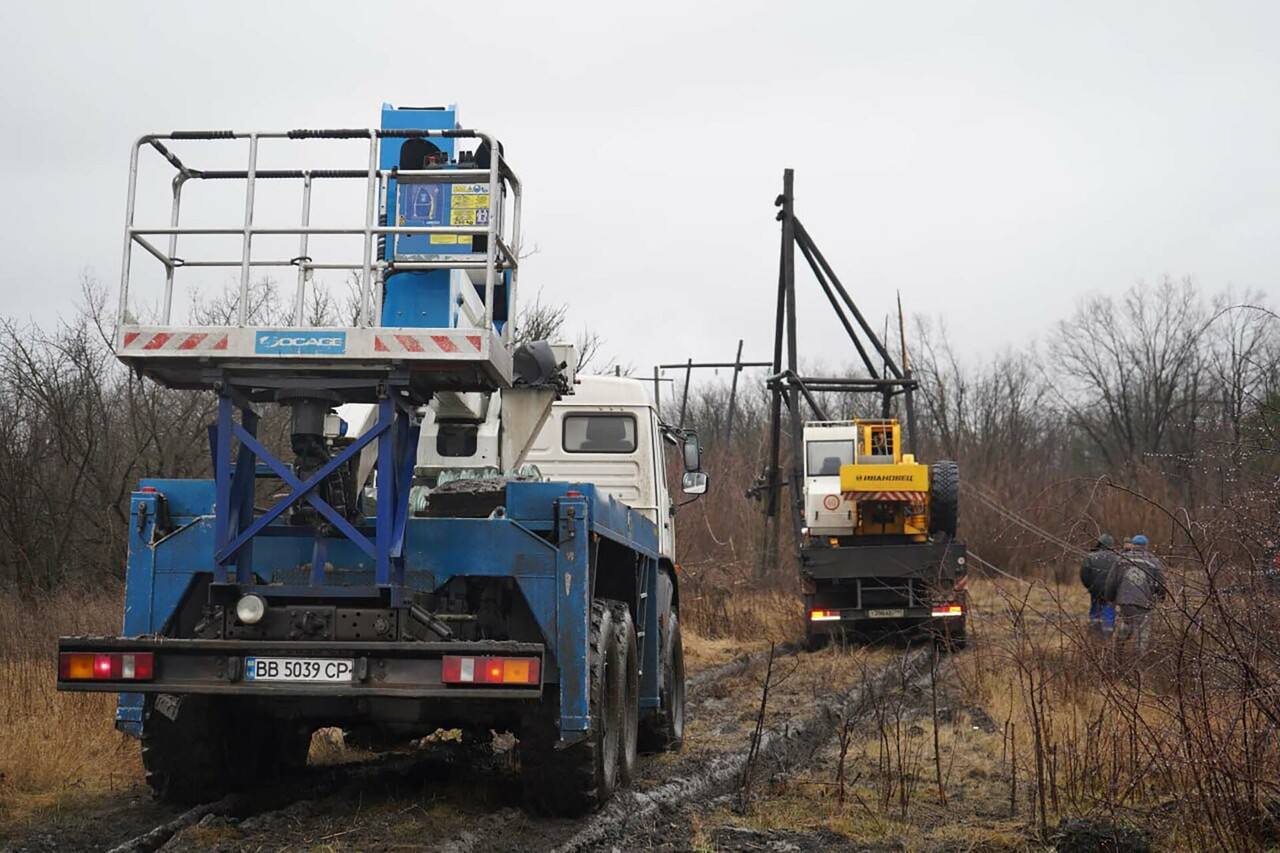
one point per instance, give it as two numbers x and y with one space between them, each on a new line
56 748
1044 734
1176 745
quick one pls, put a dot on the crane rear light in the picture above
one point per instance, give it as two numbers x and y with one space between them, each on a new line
943 610
109 666
459 669
824 615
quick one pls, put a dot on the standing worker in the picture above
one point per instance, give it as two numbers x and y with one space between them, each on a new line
1094 572
1135 583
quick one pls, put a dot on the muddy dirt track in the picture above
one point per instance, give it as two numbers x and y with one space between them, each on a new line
446 797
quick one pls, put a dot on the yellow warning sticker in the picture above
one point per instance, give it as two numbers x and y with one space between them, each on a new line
451 239
470 202
479 217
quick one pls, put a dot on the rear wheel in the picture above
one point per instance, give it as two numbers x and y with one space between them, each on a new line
579 778
950 634
184 749
198 748
627 673
664 731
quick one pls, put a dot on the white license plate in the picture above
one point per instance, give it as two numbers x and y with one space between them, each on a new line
886 614
323 670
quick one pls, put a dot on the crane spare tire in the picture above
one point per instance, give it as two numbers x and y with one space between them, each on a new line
944 497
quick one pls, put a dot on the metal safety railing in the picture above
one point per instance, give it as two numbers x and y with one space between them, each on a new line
500 254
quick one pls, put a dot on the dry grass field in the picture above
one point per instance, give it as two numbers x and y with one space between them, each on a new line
56 748
1038 734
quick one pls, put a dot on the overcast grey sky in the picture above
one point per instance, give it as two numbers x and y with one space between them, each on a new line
993 161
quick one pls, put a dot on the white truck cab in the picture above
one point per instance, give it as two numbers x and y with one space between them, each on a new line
827 446
606 432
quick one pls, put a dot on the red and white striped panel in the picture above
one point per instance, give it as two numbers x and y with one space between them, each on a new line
415 344
151 341
897 497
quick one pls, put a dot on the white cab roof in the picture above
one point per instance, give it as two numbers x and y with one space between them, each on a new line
607 391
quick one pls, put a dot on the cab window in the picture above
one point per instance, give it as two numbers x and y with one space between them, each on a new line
826 457
457 439
599 433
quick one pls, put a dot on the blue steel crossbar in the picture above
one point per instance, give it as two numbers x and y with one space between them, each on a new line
235 524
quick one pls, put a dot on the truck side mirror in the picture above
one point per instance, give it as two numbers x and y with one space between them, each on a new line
694 483
692 454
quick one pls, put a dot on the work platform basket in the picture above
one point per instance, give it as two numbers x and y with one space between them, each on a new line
471 352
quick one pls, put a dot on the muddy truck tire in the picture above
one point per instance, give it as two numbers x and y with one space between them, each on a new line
578 779
952 635
198 748
628 673
663 731
815 642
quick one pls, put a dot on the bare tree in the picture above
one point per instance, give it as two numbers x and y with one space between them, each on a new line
544 321
1131 369
1240 362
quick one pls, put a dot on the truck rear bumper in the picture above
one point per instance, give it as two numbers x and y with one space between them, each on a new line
404 670
872 615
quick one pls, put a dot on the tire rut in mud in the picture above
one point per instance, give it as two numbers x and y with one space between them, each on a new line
634 812
700 681
263 802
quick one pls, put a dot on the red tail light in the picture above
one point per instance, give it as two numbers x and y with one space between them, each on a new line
110 666
457 669
952 609
824 615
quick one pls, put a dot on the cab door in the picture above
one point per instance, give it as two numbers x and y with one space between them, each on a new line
661 491
826 510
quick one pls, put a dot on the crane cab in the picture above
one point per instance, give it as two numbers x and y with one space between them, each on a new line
859 483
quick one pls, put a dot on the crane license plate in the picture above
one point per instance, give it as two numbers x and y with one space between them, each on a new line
323 670
886 614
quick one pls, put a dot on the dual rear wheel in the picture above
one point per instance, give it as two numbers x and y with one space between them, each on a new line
580 778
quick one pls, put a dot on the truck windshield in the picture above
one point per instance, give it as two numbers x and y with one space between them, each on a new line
599 433
826 457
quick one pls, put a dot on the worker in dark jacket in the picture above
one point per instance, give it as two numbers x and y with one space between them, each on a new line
1135 583
1093 574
